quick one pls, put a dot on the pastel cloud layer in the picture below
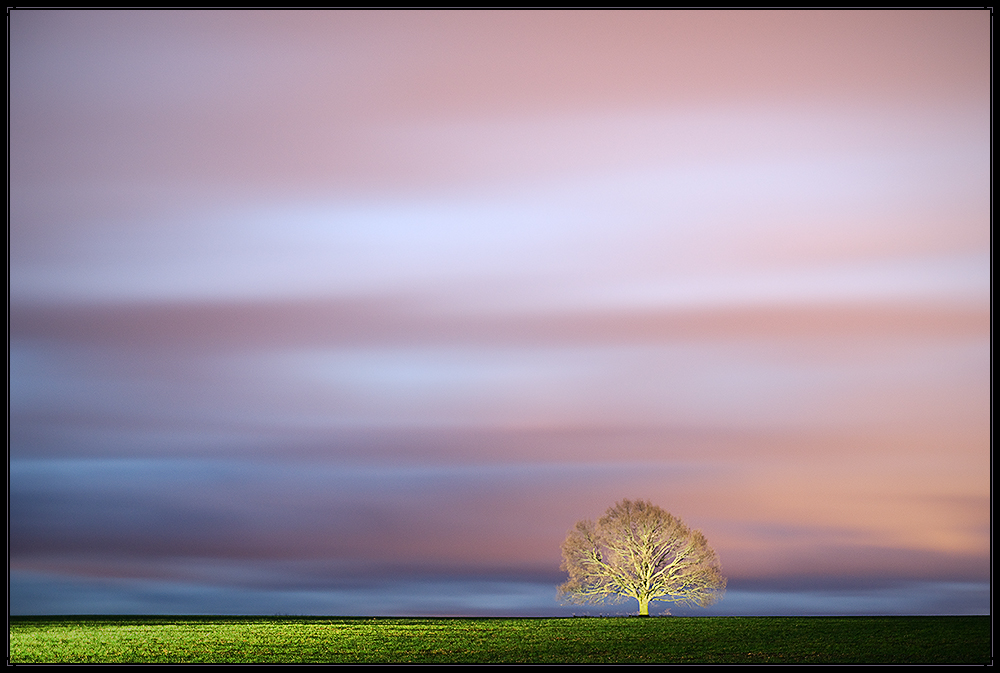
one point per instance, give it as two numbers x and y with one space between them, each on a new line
304 303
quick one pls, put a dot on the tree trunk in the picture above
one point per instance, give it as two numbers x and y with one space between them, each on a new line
643 607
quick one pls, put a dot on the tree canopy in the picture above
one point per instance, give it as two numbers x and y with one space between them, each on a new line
637 550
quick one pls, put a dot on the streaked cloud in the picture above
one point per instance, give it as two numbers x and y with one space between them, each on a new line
308 304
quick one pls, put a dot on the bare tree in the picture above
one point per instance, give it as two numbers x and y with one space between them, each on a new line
637 550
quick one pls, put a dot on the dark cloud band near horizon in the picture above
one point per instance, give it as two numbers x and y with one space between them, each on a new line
358 312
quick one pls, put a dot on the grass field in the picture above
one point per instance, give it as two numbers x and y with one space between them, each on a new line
111 639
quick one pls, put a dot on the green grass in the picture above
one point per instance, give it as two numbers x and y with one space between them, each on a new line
913 640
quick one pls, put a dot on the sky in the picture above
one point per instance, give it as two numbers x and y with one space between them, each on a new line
359 312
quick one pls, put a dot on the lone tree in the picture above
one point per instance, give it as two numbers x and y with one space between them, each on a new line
640 551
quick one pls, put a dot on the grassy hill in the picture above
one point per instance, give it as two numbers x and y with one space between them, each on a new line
165 639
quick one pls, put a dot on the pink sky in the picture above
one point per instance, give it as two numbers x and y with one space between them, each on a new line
304 303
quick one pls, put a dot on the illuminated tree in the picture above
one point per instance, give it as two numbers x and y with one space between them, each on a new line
637 550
